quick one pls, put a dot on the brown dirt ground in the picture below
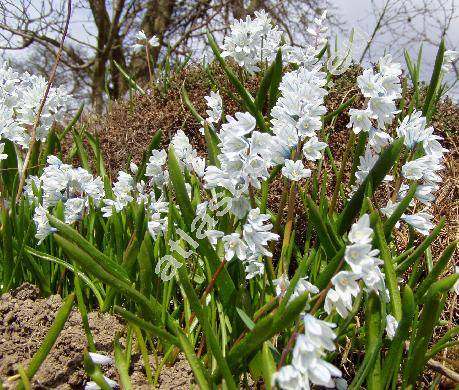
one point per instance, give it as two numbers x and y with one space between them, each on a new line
25 318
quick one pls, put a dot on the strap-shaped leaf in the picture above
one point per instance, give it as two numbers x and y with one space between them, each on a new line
389 271
434 80
276 80
440 265
384 164
329 246
201 314
403 266
263 330
224 283
391 362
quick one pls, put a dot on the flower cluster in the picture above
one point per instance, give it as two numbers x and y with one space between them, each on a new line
252 41
59 182
214 110
381 89
364 264
296 118
20 99
244 160
419 138
307 363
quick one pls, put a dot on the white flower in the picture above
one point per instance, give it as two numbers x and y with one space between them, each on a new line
251 41
312 149
281 285
94 386
360 257
391 326
334 300
74 210
153 41
295 170
370 83
215 105
389 68
308 364
98 358
256 233
44 229
157 225
290 378
253 267
359 120
449 56
142 40
383 109
361 232
234 245
421 222
413 170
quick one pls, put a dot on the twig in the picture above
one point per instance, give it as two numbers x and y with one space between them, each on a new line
42 104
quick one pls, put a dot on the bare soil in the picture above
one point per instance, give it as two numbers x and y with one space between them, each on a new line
25 318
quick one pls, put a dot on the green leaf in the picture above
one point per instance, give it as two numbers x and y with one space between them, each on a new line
418 348
275 80
224 283
201 314
434 80
212 145
328 245
393 357
72 123
440 265
190 106
269 366
121 366
403 266
50 338
156 331
128 78
263 330
373 335
384 164
82 154
103 260
265 83
389 271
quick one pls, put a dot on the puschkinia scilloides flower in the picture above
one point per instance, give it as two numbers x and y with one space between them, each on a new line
308 358
20 99
252 41
59 182
364 266
425 153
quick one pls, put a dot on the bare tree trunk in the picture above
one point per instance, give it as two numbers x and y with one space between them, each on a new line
238 9
102 22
